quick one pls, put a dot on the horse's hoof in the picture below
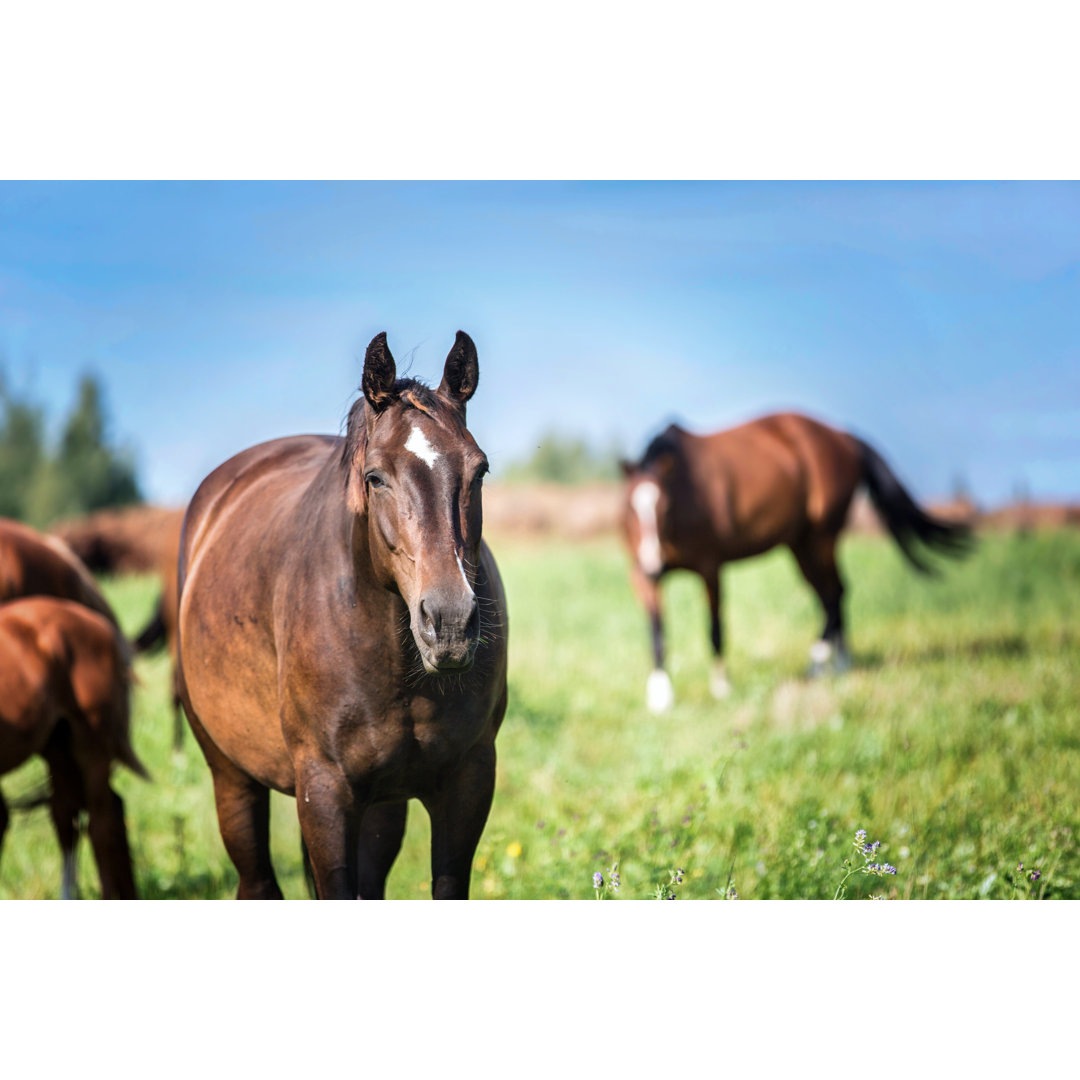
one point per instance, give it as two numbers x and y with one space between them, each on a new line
659 695
719 686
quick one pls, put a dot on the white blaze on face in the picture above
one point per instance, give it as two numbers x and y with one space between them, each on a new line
463 577
419 445
643 499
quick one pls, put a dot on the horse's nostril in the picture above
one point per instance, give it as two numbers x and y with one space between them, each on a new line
473 627
428 629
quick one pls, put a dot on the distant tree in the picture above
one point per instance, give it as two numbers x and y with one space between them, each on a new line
100 474
21 451
566 459
85 473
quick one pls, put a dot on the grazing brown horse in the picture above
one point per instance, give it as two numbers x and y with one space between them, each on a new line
162 626
343 636
33 564
64 681
695 502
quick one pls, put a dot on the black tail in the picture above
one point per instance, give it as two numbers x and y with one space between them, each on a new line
153 634
909 524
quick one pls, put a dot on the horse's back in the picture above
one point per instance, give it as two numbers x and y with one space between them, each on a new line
32 563
256 476
769 480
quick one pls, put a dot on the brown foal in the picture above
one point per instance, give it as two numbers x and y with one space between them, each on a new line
64 681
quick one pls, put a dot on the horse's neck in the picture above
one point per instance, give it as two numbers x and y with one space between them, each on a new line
342 538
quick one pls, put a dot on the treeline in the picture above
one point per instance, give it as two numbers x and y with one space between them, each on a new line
83 471
566 459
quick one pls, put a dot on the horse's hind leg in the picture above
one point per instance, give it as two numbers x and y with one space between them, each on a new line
108 833
381 831
243 810
4 817
66 800
816 556
718 681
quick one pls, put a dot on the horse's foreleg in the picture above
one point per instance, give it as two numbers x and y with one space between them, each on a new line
381 831
459 811
325 806
718 682
659 695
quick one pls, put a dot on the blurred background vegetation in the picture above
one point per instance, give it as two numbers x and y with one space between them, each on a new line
43 480
564 458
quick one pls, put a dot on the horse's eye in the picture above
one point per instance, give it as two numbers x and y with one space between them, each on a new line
375 480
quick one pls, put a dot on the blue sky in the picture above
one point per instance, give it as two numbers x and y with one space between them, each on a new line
940 321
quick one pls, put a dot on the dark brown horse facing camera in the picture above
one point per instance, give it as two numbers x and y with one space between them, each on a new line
64 681
342 636
695 502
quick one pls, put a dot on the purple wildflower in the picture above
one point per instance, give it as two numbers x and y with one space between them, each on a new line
598 880
860 836
887 869
1036 874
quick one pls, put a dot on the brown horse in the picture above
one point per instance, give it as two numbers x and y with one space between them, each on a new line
695 502
64 682
343 636
33 564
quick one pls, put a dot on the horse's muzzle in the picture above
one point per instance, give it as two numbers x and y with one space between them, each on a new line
447 630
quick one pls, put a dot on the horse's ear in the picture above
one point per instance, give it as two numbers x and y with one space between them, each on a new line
380 371
627 468
462 371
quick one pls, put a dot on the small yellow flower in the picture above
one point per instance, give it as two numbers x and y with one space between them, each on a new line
422 886
481 862
697 872
513 849
489 885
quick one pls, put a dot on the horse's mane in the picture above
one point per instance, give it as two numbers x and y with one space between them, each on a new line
669 441
409 392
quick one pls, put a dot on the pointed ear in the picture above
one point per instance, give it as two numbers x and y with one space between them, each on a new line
627 468
380 372
462 371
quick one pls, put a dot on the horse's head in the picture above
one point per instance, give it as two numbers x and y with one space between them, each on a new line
646 509
414 476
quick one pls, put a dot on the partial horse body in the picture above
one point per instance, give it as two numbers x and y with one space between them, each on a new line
64 683
34 564
161 629
342 636
696 502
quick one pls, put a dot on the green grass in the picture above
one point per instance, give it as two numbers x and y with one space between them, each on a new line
954 740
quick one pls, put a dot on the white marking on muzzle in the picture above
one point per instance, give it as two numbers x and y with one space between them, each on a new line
463 577
643 499
419 445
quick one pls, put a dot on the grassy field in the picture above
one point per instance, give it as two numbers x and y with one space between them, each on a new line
953 741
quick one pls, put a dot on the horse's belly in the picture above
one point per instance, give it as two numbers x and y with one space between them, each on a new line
230 672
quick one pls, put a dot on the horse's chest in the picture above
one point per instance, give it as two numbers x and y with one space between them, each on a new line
405 750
